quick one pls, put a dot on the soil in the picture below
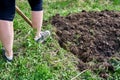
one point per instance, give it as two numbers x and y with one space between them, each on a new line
94 37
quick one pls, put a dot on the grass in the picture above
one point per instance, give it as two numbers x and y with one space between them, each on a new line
49 61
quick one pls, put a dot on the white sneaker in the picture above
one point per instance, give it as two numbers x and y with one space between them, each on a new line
43 37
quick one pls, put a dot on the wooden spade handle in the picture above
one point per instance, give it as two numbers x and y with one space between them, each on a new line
23 16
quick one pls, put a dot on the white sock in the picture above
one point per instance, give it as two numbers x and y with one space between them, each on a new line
37 37
9 57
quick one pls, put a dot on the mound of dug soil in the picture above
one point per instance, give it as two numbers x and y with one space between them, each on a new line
94 37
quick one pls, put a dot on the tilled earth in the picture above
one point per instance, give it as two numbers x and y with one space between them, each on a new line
94 37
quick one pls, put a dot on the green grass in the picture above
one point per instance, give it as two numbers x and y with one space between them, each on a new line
49 61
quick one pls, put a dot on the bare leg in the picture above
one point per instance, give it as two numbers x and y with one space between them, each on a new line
37 19
7 36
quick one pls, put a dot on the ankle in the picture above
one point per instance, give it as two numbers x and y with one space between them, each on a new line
9 53
37 36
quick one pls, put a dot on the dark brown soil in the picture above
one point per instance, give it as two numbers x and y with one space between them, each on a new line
94 37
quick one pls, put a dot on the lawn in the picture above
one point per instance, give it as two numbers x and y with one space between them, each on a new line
48 61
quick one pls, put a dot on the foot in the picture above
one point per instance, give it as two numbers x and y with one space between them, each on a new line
43 36
7 58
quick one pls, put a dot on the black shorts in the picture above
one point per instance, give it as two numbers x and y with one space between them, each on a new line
7 8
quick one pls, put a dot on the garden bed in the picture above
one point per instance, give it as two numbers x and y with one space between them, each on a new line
94 37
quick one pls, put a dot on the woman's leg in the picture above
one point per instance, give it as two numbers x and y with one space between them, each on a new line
7 36
7 12
37 17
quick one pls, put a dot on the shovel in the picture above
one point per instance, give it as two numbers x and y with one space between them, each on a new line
23 15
